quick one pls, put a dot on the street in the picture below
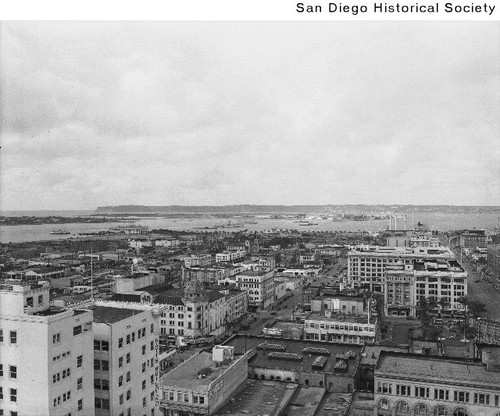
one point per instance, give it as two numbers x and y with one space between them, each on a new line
479 289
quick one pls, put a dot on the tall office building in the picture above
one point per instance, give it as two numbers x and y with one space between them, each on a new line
125 359
45 355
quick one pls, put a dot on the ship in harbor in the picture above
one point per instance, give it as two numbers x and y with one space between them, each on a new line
60 232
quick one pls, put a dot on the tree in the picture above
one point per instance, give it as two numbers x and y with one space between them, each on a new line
476 308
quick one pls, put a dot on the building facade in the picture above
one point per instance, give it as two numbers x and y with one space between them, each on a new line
404 286
366 264
45 355
260 288
473 238
414 384
126 372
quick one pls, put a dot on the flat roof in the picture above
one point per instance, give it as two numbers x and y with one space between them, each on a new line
186 375
244 343
447 370
110 315
258 397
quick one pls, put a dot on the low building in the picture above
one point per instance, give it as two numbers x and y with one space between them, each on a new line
138 280
411 384
197 260
355 305
473 238
203 383
313 364
226 256
340 328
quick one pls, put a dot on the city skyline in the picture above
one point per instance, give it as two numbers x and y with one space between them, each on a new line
221 113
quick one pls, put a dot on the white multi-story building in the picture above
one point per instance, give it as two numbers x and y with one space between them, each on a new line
404 286
197 313
260 287
366 264
340 328
200 260
226 256
46 355
126 372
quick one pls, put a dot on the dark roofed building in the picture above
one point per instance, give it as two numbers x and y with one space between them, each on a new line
316 364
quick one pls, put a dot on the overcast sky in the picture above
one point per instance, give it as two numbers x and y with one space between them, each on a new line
209 113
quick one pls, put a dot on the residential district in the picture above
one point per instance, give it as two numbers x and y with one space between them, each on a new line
282 322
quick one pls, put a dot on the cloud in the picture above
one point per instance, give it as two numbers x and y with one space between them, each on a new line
96 113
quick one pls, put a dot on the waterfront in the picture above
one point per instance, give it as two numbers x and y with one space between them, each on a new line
435 221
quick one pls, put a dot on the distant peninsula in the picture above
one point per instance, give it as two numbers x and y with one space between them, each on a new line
261 209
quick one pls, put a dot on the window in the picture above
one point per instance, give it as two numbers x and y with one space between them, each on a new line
152 329
56 338
402 390
129 394
1 335
77 330
152 379
79 383
382 404
152 395
1 370
128 376
121 399
481 398
128 339
143 402
79 361
120 362
120 343
441 394
1 393
12 371
143 367
422 392
143 350
152 345
460 412
144 384
440 411
80 404
120 381
128 357
13 337
13 395
421 409
133 336
403 407
461 396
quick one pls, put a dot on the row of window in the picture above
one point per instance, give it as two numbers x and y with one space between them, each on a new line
12 394
77 330
141 333
12 371
184 397
339 327
57 377
423 409
61 356
61 399
439 394
12 336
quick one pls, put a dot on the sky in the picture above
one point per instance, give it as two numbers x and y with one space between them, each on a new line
216 113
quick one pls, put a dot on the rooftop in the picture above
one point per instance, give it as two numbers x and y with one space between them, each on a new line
448 370
187 375
258 397
261 359
109 315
